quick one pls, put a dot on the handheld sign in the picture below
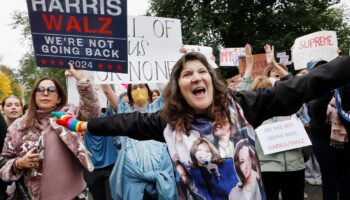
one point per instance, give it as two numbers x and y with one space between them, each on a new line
90 34
258 67
154 44
282 136
321 44
230 56
284 58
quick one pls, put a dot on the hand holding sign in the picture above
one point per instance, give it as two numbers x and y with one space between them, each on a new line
71 72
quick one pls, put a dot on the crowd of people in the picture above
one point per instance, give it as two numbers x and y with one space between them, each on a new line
193 138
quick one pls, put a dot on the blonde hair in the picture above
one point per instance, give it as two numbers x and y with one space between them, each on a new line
261 82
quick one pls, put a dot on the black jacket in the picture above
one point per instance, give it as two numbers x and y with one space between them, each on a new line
317 110
3 131
283 99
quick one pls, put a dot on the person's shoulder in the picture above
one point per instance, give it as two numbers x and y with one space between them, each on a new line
19 123
236 192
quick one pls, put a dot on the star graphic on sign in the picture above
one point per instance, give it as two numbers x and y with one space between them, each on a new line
119 67
43 61
100 65
110 66
61 62
52 62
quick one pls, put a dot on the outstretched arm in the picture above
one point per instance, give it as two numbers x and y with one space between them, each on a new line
288 96
111 95
139 126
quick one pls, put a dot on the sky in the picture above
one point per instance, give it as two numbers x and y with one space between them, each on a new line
11 47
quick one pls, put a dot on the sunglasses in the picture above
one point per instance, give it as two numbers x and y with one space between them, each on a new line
49 90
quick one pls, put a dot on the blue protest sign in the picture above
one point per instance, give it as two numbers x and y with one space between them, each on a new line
90 34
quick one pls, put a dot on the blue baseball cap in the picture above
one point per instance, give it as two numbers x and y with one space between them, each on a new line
314 63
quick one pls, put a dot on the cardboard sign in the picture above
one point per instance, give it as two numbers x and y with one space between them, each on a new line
282 136
322 44
90 34
154 45
230 56
258 66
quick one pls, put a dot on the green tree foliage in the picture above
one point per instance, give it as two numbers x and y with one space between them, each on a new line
232 23
20 21
28 72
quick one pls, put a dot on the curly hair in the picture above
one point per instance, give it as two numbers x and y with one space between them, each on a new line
176 110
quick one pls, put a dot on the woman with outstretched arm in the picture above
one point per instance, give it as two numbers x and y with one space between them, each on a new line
195 99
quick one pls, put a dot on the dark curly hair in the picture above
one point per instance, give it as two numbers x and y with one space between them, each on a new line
176 110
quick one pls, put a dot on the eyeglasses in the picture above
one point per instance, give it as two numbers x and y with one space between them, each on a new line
49 90
134 87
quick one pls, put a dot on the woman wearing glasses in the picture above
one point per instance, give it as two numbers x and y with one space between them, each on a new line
44 159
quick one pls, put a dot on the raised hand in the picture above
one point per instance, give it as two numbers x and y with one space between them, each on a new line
69 121
77 74
248 55
270 54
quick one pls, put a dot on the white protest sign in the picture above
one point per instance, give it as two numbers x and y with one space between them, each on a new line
206 51
283 58
230 56
322 44
282 136
154 44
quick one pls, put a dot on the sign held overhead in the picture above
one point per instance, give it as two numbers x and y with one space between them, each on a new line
321 44
154 44
90 34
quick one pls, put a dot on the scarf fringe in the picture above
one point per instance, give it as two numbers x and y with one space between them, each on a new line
338 144
338 135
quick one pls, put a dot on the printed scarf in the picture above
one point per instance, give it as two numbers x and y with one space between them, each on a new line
339 134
